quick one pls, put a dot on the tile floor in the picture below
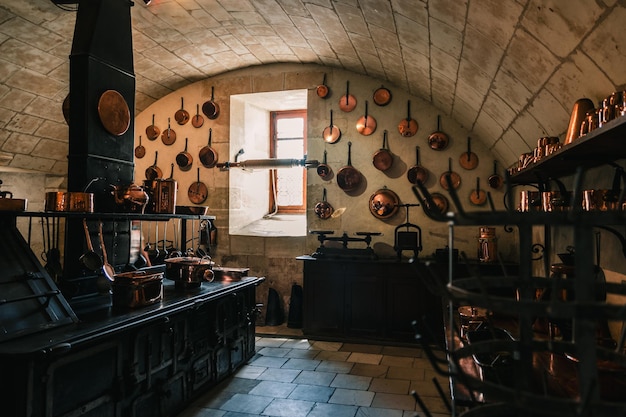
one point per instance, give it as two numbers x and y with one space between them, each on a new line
291 376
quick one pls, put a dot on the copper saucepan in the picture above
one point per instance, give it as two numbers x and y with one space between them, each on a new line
408 127
331 133
478 197
366 125
208 155
349 178
455 178
495 180
324 170
197 121
181 116
417 172
153 172
184 158
210 108
384 203
347 103
382 96
323 209
438 140
168 136
140 150
322 90
468 160
152 131
383 158
198 191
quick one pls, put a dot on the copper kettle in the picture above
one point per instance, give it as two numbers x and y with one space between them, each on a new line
130 198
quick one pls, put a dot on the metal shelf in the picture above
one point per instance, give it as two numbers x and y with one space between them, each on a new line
600 146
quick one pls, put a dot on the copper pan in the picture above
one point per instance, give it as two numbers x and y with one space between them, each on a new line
197 121
383 158
495 180
184 158
114 112
468 160
323 209
140 150
382 96
324 170
347 103
349 178
152 131
408 127
181 116
417 172
384 203
454 177
168 136
478 197
331 133
210 108
322 90
198 191
438 140
208 155
366 125
153 172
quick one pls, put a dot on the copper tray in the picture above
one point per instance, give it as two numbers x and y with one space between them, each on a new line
114 112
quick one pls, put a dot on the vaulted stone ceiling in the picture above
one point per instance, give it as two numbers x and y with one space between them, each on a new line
508 70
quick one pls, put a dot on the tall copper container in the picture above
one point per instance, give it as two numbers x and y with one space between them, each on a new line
487 244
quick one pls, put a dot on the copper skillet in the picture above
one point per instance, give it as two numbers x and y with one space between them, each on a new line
347 103
417 172
208 155
181 116
168 136
140 150
324 170
210 108
478 197
153 172
438 140
197 191
197 121
322 90
152 132
331 133
383 158
454 177
468 160
382 96
349 178
366 125
408 127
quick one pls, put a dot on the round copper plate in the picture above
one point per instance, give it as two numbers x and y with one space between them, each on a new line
114 113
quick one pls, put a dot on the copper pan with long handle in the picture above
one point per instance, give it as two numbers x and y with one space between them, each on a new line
181 116
331 133
366 125
152 131
438 140
349 178
417 172
455 178
468 159
347 102
408 127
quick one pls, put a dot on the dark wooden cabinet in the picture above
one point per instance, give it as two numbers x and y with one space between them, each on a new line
365 300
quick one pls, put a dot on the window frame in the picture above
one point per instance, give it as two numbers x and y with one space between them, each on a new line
274 117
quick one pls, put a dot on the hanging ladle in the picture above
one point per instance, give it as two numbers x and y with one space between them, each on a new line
107 268
90 259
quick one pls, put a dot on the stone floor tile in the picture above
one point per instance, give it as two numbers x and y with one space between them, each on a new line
206 412
427 388
371 358
352 397
315 378
378 412
244 403
423 363
303 364
361 348
270 341
400 361
394 401
250 371
280 375
395 372
434 405
332 356
277 352
235 384
390 386
330 346
403 351
213 400
288 408
313 393
298 344
269 361
335 366
273 389
351 382
302 353
235 414
333 410
365 369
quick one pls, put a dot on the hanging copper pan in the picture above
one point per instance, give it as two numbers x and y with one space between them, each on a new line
114 112
322 90
495 180
168 136
384 203
347 103
383 158
454 177
197 191
331 133
184 160
417 172
210 108
323 209
468 160
181 116
65 107
478 197
438 140
408 127
366 125
349 178
197 121
324 170
441 202
140 150
153 172
382 96
208 155
152 132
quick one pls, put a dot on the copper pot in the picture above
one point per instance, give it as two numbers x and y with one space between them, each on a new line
136 289
384 203
73 201
189 271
